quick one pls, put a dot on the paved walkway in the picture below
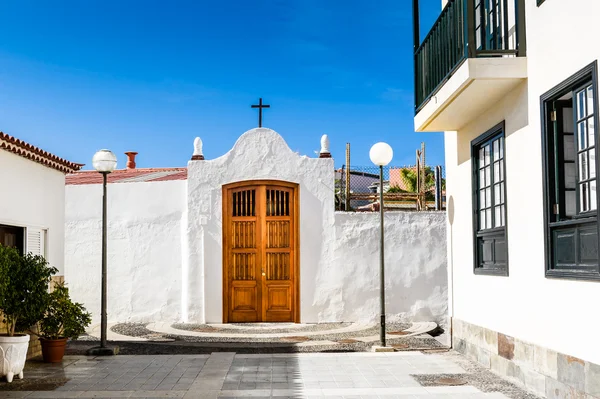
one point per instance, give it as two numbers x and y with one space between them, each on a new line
228 375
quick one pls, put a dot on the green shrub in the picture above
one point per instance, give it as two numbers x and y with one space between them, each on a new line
24 293
64 318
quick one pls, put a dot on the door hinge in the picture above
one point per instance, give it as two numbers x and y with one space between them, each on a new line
553 116
556 209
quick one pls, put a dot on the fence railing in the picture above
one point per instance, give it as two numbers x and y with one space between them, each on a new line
466 29
404 188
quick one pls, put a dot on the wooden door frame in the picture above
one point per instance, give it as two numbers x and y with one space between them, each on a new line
296 220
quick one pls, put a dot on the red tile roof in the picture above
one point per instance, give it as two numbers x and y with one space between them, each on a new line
35 154
128 176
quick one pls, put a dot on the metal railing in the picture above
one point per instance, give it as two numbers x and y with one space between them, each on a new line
412 187
465 29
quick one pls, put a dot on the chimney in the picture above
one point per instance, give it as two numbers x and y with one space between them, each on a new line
131 159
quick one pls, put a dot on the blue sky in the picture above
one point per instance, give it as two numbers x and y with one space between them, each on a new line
149 76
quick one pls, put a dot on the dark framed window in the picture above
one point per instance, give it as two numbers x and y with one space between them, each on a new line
11 236
539 2
489 202
569 121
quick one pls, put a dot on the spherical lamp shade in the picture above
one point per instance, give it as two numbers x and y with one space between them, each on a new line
381 154
104 161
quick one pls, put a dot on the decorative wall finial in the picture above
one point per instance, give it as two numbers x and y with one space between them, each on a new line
198 156
324 153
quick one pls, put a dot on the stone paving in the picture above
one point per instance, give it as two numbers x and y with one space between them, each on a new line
231 375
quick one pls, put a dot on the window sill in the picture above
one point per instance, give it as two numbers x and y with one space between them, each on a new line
491 272
573 275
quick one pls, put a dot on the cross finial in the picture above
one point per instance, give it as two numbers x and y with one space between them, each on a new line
260 107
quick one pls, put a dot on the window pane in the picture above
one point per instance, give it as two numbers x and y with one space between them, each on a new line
488 217
569 148
582 138
488 179
583 174
502 193
591 132
501 147
497 171
570 203
583 197
481 178
497 199
593 201
592 155
581 104
501 170
488 197
496 150
482 225
487 154
481 157
590 100
497 217
503 212
570 176
481 199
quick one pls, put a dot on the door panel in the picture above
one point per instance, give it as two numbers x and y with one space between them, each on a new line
278 249
259 252
243 255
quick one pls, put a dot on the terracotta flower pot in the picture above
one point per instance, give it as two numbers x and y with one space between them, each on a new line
53 350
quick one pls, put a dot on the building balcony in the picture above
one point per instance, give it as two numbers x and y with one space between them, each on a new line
473 55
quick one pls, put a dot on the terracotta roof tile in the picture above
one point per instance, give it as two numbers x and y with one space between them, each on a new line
128 176
35 154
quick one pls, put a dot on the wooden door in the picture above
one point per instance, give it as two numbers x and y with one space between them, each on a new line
260 251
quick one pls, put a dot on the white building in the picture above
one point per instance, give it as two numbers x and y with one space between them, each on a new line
514 87
32 203
249 236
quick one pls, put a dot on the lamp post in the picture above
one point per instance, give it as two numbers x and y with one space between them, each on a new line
104 161
381 154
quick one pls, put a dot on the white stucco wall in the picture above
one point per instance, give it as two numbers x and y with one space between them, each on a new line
146 226
415 268
526 305
339 258
33 196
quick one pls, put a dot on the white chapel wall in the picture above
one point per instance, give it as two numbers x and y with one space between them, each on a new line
258 154
526 305
339 252
36 200
415 268
146 226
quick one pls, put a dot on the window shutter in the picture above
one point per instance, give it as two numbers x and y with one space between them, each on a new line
35 241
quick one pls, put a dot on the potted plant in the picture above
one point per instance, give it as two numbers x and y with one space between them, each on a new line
24 297
63 319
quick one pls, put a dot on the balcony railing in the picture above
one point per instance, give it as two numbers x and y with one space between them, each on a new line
465 29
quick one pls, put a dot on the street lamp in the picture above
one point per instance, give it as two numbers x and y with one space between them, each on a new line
104 161
381 154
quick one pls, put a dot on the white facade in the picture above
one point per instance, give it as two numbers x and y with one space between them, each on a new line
33 198
165 244
145 231
526 305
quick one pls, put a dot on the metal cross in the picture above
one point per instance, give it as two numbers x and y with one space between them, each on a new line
260 107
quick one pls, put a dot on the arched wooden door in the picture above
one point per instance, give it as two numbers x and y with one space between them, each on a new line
260 252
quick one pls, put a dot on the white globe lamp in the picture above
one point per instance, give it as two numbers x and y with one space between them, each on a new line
104 161
381 154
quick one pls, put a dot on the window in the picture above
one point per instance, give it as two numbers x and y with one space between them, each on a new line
539 2
570 115
489 202
11 236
